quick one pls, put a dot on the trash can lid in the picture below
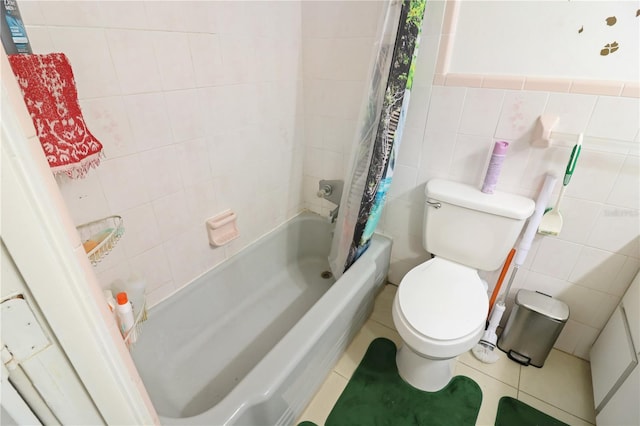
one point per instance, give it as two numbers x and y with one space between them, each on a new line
543 304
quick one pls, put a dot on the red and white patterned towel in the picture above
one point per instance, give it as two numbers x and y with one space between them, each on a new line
49 91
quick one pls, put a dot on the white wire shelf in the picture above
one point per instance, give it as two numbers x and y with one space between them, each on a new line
100 237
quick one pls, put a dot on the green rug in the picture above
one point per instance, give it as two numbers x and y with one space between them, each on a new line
513 412
377 395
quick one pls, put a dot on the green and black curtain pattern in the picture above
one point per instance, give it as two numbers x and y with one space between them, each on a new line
381 125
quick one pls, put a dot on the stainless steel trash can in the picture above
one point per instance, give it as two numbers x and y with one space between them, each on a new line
535 323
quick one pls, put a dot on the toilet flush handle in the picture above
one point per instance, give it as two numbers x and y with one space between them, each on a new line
434 204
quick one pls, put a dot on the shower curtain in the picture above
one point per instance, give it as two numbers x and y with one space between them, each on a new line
381 122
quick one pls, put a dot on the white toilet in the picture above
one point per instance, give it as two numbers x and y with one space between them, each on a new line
441 305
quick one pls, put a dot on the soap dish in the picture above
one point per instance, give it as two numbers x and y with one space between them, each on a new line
222 228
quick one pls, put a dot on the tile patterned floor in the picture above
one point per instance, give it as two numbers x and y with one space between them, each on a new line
562 388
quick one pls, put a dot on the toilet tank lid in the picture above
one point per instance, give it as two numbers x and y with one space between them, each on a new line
463 195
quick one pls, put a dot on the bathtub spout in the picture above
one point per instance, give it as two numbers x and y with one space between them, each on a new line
331 190
334 214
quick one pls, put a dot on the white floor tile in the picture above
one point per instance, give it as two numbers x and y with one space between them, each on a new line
320 406
551 410
564 382
382 307
492 390
371 330
504 369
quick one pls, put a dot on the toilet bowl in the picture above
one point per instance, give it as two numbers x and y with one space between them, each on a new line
441 306
439 310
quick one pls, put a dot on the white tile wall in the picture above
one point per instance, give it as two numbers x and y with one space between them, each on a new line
142 230
595 269
197 105
149 120
174 60
340 19
519 113
445 109
574 109
481 111
134 60
110 125
122 182
172 216
87 50
69 14
160 171
207 58
614 118
130 15
450 132
556 258
616 230
626 189
411 150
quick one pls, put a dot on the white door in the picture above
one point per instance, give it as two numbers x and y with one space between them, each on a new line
13 409
612 358
622 408
33 362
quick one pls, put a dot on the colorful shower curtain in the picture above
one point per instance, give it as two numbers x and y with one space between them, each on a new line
381 123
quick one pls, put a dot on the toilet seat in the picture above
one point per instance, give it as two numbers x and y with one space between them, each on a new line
441 308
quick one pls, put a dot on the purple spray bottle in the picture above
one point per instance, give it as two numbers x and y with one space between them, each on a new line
495 166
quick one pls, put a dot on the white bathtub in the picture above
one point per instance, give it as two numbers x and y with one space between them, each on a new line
250 342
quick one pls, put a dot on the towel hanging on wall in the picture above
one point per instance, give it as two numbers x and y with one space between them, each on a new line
49 91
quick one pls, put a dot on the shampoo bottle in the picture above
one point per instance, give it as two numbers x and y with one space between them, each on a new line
135 287
125 316
495 166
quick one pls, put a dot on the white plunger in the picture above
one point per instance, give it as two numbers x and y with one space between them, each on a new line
484 350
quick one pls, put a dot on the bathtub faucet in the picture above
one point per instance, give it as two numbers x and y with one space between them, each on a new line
331 190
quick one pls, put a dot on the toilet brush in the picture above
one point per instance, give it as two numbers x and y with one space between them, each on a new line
503 273
484 350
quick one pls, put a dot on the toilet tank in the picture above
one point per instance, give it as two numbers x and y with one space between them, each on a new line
467 226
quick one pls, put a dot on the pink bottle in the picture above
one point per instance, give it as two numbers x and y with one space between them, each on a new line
495 166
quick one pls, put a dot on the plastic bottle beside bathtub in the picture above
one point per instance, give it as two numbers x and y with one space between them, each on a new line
135 288
126 320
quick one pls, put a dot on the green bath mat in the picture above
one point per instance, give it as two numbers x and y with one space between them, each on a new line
376 395
513 412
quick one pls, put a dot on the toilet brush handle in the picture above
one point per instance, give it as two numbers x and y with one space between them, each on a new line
496 316
503 273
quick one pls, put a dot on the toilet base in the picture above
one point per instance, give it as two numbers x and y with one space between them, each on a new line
426 374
